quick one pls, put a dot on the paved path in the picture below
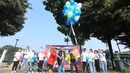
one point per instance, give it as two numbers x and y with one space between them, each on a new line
8 70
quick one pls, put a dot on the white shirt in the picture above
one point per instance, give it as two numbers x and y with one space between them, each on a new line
41 56
91 55
96 56
17 56
48 55
102 57
84 55
30 54
26 55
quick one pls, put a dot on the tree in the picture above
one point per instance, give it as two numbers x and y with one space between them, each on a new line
12 16
102 19
10 53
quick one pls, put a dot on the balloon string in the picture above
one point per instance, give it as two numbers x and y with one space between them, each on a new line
74 34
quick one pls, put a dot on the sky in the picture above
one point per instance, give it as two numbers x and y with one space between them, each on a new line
40 29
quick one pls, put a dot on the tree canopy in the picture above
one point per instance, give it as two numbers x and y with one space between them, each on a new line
12 16
102 19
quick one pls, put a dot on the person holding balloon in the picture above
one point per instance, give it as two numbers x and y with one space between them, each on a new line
31 60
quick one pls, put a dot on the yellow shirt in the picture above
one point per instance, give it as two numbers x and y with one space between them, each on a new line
68 57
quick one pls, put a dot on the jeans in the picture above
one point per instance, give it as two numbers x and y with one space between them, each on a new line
24 64
92 67
104 66
61 68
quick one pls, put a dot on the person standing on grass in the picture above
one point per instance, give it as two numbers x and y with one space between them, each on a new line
97 60
103 61
52 59
61 61
92 61
17 59
84 55
72 59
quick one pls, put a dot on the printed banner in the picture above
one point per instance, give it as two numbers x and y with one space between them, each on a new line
75 48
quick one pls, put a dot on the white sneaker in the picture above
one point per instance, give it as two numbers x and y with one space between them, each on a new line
12 72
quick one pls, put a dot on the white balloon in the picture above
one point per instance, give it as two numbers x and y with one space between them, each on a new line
76 18
79 5
68 4
70 14
66 12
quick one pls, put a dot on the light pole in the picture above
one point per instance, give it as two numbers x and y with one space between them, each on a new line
16 42
118 46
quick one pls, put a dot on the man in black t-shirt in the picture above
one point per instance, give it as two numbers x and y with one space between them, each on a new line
60 61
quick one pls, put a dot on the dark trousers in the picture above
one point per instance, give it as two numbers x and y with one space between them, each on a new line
97 65
40 64
73 64
84 65
15 65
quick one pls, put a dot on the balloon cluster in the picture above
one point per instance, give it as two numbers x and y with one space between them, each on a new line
72 10
87 58
33 59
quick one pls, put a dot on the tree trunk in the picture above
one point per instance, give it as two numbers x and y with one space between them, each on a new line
111 53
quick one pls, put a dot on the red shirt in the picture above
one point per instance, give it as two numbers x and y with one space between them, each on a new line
52 58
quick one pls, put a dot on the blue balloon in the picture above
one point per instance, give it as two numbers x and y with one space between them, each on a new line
71 3
71 12
71 0
78 14
68 23
87 58
65 7
63 11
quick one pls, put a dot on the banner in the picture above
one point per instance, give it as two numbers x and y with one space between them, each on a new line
75 48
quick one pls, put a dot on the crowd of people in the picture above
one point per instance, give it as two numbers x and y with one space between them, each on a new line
96 60
32 62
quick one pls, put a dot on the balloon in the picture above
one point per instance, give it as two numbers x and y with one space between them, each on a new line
68 4
87 58
72 10
76 18
65 7
68 23
32 60
70 14
66 12
79 5
71 0
78 13
71 3
63 11
29 60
